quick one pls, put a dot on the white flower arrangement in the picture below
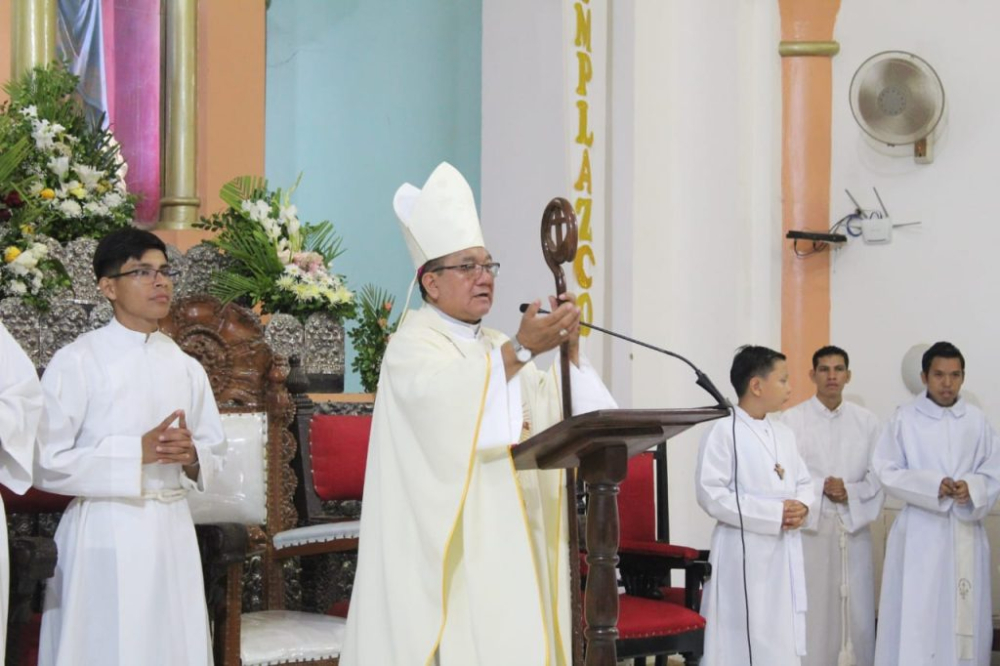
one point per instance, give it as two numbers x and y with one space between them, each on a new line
283 265
69 187
26 272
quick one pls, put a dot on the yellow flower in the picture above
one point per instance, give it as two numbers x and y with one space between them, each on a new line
101 187
11 253
78 192
47 193
27 229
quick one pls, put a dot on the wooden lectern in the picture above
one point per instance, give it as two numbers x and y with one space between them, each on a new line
600 444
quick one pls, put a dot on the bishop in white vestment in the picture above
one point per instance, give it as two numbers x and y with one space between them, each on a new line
935 606
463 559
836 541
20 408
128 587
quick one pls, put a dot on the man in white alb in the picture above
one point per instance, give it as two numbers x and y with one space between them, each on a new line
836 439
939 455
462 559
130 426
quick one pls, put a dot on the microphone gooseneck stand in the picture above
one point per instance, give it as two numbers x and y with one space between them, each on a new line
705 383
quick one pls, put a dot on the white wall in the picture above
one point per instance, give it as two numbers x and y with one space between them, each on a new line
527 133
693 243
707 222
940 280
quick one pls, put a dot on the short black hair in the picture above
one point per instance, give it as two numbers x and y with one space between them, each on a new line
831 350
752 361
941 350
119 246
429 267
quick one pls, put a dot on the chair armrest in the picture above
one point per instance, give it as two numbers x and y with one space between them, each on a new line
332 537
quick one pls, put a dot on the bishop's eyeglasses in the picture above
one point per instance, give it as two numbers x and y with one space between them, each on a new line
147 275
472 271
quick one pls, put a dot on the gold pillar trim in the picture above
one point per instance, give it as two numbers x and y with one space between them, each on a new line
33 38
800 49
179 203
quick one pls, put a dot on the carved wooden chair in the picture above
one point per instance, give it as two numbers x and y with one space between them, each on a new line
330 463
249 381
655 618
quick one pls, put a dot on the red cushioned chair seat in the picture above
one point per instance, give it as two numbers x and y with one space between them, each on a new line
648 618
338 445
657 549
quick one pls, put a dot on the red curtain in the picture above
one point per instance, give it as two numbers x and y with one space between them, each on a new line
132 50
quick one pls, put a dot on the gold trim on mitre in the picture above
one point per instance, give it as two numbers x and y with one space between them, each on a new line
439 218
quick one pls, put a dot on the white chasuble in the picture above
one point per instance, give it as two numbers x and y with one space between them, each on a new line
935 606
462 559
128 584
20 409
837 542
769 471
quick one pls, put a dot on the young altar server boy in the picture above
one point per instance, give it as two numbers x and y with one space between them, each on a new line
761 487
130 426
20 407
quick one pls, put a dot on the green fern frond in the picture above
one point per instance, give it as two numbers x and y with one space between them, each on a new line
242 188
322 238
228 286
10 160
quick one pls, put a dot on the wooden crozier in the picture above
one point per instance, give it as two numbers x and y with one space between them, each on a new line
600 444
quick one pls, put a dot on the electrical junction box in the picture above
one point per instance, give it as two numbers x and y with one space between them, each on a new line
876 230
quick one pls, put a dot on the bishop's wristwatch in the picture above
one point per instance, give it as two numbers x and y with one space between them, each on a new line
522 353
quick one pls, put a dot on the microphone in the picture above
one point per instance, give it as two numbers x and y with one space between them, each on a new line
702 379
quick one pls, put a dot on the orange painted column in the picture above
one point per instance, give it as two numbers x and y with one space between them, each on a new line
806 49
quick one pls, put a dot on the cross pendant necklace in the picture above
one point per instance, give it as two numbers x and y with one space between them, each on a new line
778 469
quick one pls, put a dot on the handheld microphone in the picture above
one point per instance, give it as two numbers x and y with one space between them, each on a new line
702 379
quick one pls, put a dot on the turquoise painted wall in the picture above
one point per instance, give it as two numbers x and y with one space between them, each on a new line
361 97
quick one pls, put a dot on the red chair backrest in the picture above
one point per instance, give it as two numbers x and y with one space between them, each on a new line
33 501
338 447
637 500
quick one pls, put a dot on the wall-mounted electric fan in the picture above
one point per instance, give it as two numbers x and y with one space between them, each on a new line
897 99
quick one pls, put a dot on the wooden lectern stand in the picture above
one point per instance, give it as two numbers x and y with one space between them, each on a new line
600 444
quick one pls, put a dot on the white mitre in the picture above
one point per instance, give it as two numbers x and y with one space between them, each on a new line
439 219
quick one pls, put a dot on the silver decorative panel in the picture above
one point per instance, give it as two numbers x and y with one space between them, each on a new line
79 263
22 322
101 314
285 335
324 345
197 267
59 327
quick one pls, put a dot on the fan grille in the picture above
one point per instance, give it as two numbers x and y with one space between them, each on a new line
897 98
